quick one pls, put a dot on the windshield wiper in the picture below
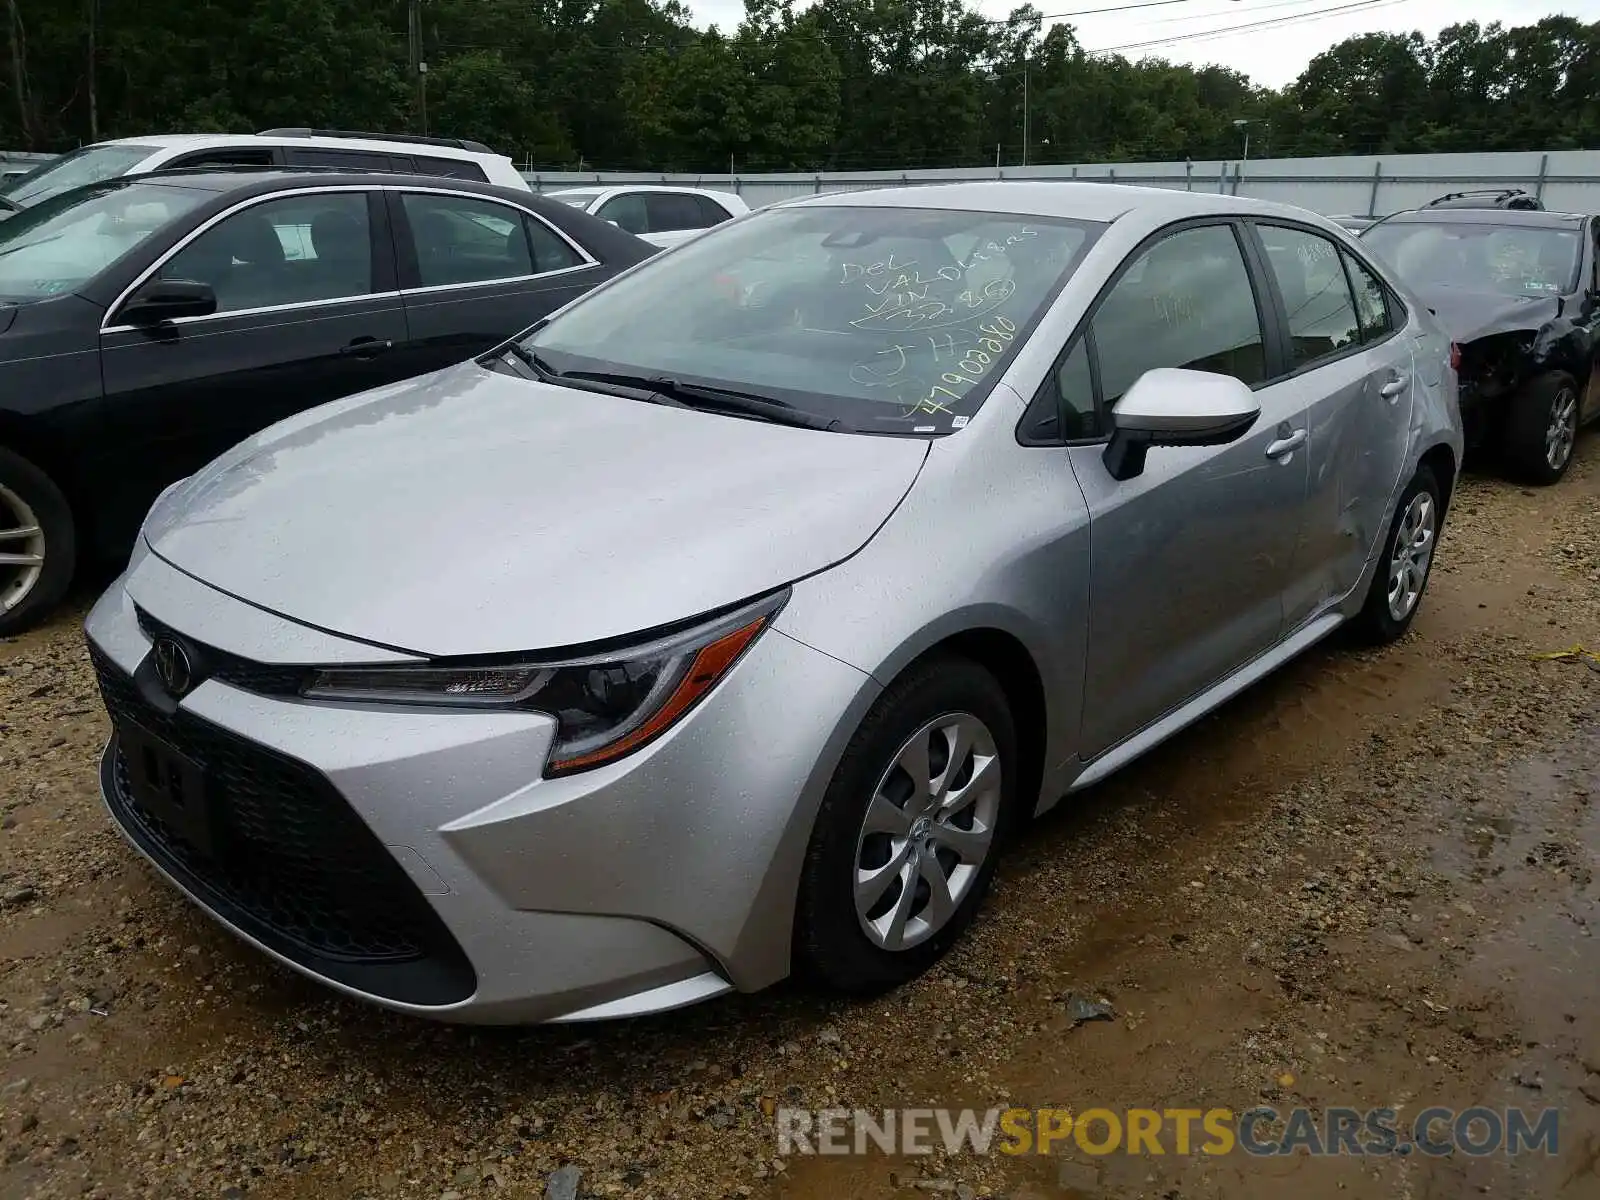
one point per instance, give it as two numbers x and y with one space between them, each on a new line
663 389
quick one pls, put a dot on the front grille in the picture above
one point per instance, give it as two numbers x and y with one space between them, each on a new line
290 863
264 679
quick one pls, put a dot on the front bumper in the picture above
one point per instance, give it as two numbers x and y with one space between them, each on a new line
415 858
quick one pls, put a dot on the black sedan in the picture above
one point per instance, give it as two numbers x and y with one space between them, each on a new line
147 323
1518 291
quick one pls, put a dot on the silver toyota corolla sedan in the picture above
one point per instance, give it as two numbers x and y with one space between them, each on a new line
710 632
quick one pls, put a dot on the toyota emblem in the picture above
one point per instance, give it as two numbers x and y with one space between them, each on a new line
172 666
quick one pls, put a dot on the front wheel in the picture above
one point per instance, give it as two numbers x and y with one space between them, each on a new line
1403 570
37 543
906 840
1542 428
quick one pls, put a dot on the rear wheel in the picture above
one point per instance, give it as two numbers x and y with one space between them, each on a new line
1403 570
1542 428
906 841
37 543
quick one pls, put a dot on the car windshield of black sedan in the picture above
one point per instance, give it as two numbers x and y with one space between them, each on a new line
1515 260
61 243
885 319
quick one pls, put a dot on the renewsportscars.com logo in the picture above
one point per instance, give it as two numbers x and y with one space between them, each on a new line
1260 1131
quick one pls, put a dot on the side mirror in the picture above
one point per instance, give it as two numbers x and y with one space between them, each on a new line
1170 406
165 299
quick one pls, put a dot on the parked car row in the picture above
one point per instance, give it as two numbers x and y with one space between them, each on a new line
866 525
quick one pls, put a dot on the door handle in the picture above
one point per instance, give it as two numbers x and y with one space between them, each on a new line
1394 387
366 347
1286 445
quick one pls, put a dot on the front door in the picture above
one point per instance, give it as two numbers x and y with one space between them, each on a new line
1189 559
307 312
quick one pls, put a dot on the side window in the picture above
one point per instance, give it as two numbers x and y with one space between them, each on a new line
628 211
1316 294
1184 302
462 240
551 252
1064 409
449 168
236 156
355 160
711 213
1372 302
291 251
673 210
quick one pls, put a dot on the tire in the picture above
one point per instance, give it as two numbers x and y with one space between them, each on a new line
1388 611
832 940
29 501
1541 428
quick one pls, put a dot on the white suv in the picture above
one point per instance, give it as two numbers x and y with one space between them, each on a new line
454 157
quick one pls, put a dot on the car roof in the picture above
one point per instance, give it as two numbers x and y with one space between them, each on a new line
597 188
1528 218
261 180
205 141
1083 201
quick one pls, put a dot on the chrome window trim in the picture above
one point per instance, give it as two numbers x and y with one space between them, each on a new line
585 259
183 243
478 283
268 308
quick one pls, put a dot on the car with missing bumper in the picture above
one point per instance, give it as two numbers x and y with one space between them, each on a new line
1517 289
680 643
148 322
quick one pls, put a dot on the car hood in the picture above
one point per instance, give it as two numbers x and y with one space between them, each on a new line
470 512
1467 314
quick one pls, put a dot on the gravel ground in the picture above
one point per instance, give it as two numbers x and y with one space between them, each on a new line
1368 881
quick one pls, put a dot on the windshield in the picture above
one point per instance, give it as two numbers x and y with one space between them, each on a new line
888 320
1512 259
62 243
89 165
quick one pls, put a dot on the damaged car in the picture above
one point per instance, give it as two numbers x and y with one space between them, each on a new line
1518 293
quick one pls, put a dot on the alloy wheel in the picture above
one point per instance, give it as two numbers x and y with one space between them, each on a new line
1562 434
1413 552
21 549
928 831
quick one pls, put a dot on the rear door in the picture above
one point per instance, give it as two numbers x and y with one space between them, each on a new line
1347 358
307 311
475 270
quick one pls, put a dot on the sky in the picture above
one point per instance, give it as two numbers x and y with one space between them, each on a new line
1272 54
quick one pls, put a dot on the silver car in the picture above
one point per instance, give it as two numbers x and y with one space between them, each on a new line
682 642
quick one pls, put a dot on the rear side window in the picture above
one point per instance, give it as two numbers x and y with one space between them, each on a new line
356 160
550 251
711 213
450 168
670 211
1372 302
464 240
1316 294
1185 302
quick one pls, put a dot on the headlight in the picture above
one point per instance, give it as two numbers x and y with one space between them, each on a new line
606 705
